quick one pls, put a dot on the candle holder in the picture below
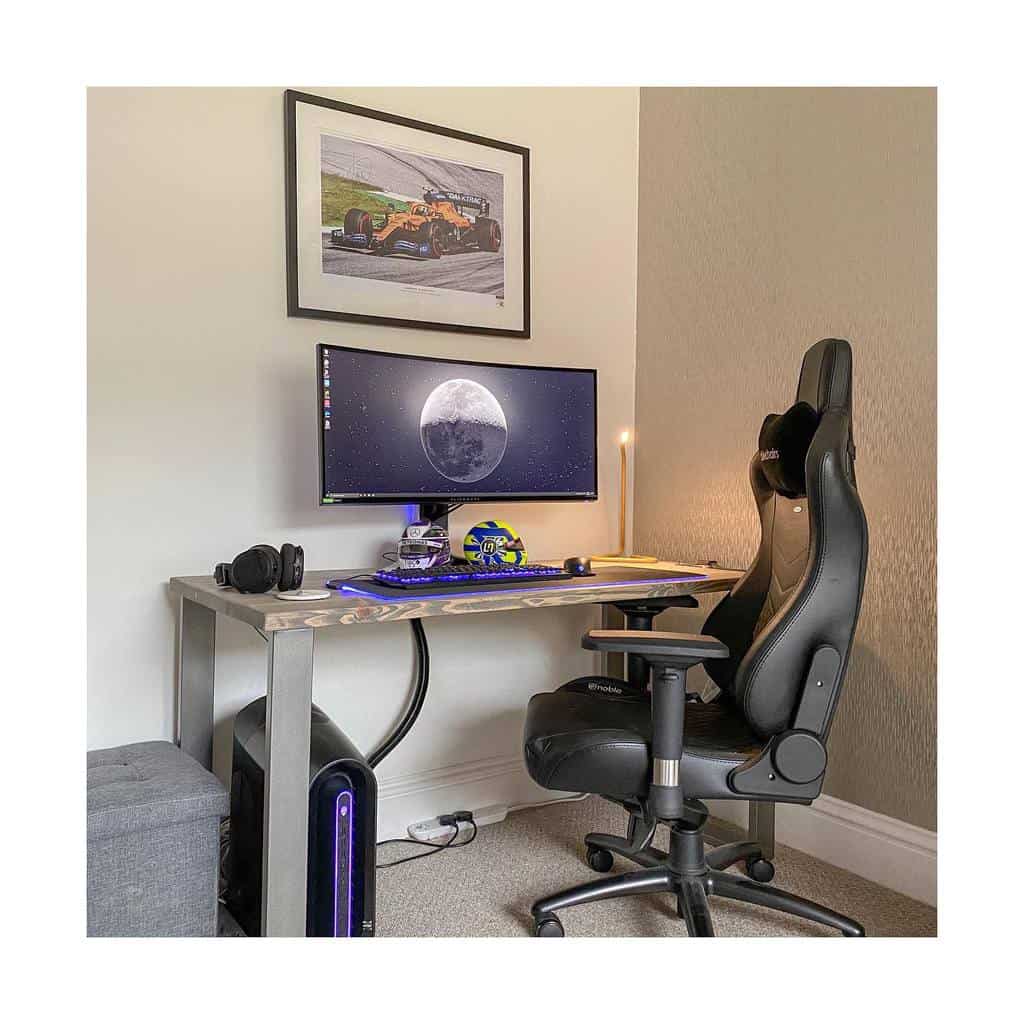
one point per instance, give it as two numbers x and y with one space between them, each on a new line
621 556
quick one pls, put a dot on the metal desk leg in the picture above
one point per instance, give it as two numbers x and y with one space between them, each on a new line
197 635
286 790
612 664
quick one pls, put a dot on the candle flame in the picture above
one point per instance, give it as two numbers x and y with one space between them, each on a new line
624 437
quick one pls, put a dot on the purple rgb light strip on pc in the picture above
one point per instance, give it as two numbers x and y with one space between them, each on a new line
344 831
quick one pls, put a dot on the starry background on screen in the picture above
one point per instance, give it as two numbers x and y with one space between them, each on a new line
374 447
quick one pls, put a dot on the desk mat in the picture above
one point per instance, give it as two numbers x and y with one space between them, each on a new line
604 576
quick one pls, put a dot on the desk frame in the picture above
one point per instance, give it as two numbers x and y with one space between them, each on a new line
289 628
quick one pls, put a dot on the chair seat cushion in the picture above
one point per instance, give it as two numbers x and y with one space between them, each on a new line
599 742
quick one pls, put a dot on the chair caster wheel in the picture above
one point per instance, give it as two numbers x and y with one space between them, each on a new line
599 860
548 928
759 870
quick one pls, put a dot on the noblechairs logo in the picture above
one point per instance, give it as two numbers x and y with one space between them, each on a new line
768 454
605 688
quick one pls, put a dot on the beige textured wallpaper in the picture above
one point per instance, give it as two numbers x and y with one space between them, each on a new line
770 218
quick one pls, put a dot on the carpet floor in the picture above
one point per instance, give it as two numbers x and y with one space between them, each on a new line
487 889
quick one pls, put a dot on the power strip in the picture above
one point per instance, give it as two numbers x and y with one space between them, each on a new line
431 830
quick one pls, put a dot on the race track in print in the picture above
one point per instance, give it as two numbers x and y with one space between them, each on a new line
481 272
372 178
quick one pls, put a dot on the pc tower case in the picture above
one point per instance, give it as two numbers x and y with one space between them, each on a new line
342 828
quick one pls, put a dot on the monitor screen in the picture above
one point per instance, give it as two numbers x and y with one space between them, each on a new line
397 428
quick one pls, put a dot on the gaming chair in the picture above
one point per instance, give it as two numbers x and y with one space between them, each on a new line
777 646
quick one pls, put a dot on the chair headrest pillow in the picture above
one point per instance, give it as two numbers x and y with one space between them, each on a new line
782 448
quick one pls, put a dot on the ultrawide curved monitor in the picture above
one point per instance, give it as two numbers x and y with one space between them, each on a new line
397 429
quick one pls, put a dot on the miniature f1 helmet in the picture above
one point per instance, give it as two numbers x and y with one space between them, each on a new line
494 542
422 545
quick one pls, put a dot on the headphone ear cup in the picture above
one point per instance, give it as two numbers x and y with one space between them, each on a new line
284 581
255 570
273 574
291 567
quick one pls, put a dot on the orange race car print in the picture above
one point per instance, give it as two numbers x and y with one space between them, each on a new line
438 226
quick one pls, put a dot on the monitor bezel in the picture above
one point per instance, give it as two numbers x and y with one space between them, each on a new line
439 497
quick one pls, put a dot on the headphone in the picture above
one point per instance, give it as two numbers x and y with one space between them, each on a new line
261 567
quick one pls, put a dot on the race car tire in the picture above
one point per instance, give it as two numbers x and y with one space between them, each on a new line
488 234
358 222
431 234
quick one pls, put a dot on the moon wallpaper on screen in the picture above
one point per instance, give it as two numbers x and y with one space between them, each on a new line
408 426
463 429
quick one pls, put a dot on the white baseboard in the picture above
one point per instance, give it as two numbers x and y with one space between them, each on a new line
899 856
885 850
416 796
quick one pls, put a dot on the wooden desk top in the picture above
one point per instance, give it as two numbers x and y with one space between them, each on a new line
268 613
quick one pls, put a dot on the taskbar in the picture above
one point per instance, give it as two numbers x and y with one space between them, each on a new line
402 499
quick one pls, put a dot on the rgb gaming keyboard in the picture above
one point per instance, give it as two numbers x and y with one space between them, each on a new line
474 575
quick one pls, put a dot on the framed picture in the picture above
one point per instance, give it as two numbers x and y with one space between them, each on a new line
394 221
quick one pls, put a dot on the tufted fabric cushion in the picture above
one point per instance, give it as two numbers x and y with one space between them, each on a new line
145 786
153 826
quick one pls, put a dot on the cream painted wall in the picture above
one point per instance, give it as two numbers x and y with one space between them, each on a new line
201 432
770 218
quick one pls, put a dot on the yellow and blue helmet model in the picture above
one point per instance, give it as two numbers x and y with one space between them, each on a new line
494 542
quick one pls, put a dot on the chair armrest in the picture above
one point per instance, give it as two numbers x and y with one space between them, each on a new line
671 655
652 643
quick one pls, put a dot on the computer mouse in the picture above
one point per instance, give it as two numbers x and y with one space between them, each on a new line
578 565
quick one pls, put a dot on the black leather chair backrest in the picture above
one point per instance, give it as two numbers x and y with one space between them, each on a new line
804 588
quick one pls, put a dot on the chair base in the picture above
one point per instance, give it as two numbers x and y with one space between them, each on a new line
691 875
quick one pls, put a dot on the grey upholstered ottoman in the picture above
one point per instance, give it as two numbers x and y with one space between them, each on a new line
154 815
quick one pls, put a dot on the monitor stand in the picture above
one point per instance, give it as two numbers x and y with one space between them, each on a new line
436 512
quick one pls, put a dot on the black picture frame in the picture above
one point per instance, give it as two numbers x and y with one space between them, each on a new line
291 99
